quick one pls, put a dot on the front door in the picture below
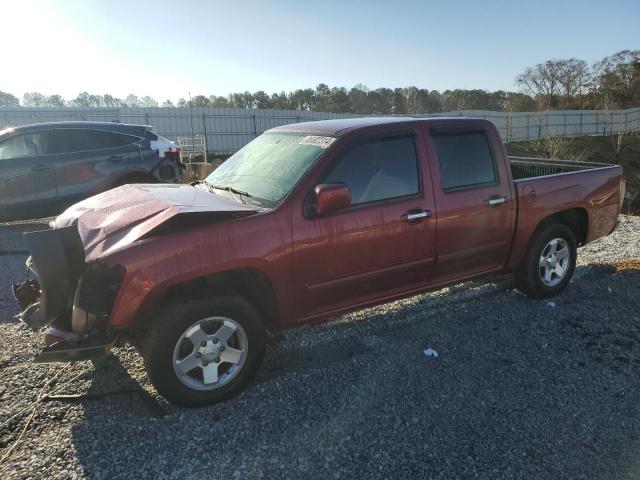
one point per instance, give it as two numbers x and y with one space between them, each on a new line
380 246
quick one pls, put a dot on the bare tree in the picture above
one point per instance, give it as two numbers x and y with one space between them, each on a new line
543 82
574 78
618 78
457 100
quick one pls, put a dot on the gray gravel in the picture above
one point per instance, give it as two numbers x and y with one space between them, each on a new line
520 389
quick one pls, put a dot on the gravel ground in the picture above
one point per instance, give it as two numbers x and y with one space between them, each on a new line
520 389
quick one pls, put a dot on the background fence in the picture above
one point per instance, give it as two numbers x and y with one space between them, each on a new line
228 129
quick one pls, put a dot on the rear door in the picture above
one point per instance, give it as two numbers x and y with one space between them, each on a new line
473 192
26 174
372 249
89 161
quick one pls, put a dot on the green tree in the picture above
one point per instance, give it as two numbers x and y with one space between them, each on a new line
111 102
220 102
322 96
8 100
280 101
34 99
86 100
399 102
302 99
54 101
339 100
359 99
132 101
262 100
148 101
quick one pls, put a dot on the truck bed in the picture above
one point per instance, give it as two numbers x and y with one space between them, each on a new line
544 187
530 167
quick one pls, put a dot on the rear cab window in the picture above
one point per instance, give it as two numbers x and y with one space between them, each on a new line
465 159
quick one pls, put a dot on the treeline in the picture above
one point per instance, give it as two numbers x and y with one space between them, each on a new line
613 82
358 99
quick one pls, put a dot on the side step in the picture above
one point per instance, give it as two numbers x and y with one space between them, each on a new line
65 351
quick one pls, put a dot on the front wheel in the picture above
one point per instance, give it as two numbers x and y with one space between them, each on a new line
549 262
204 351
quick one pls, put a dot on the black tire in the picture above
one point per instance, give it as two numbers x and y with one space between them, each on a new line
174 319
528 278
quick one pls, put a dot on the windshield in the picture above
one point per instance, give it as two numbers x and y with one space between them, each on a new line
269 167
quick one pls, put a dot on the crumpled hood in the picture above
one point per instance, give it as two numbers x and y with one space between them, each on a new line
116 218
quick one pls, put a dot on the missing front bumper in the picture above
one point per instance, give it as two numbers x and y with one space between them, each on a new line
57 260
65 351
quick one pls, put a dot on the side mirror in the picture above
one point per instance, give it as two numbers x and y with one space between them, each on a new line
331 197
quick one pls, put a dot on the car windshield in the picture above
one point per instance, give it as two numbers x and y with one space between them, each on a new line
268 168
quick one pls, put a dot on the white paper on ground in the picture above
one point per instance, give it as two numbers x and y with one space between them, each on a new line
430 352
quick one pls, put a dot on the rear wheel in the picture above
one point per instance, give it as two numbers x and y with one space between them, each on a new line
203 351
549 263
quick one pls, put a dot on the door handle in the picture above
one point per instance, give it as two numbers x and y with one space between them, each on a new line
495 200
415 215
41 168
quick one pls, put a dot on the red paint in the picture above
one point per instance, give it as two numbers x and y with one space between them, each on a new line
331 198
367 254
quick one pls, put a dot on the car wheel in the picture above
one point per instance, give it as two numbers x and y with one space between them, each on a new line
549 262
204 351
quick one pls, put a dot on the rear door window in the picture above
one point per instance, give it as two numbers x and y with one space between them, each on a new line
464 159
378 170
24 145
70 140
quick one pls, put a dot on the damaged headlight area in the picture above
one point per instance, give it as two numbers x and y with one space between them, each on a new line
74 298
94 297
56 263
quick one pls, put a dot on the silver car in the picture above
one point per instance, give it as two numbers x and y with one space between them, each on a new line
46 167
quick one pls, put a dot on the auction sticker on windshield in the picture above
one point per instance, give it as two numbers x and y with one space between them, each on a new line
317 141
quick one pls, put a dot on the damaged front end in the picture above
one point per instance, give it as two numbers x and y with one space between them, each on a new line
73 298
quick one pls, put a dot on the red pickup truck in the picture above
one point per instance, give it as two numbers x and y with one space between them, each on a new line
305 222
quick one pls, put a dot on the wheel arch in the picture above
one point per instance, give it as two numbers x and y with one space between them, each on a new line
576 219
250 283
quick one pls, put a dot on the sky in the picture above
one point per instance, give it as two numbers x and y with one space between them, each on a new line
167 49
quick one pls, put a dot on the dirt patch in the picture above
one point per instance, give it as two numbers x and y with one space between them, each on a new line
627 265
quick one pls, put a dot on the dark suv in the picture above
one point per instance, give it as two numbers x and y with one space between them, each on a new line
46 167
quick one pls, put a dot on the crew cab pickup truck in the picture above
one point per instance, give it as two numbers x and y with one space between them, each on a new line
304 223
